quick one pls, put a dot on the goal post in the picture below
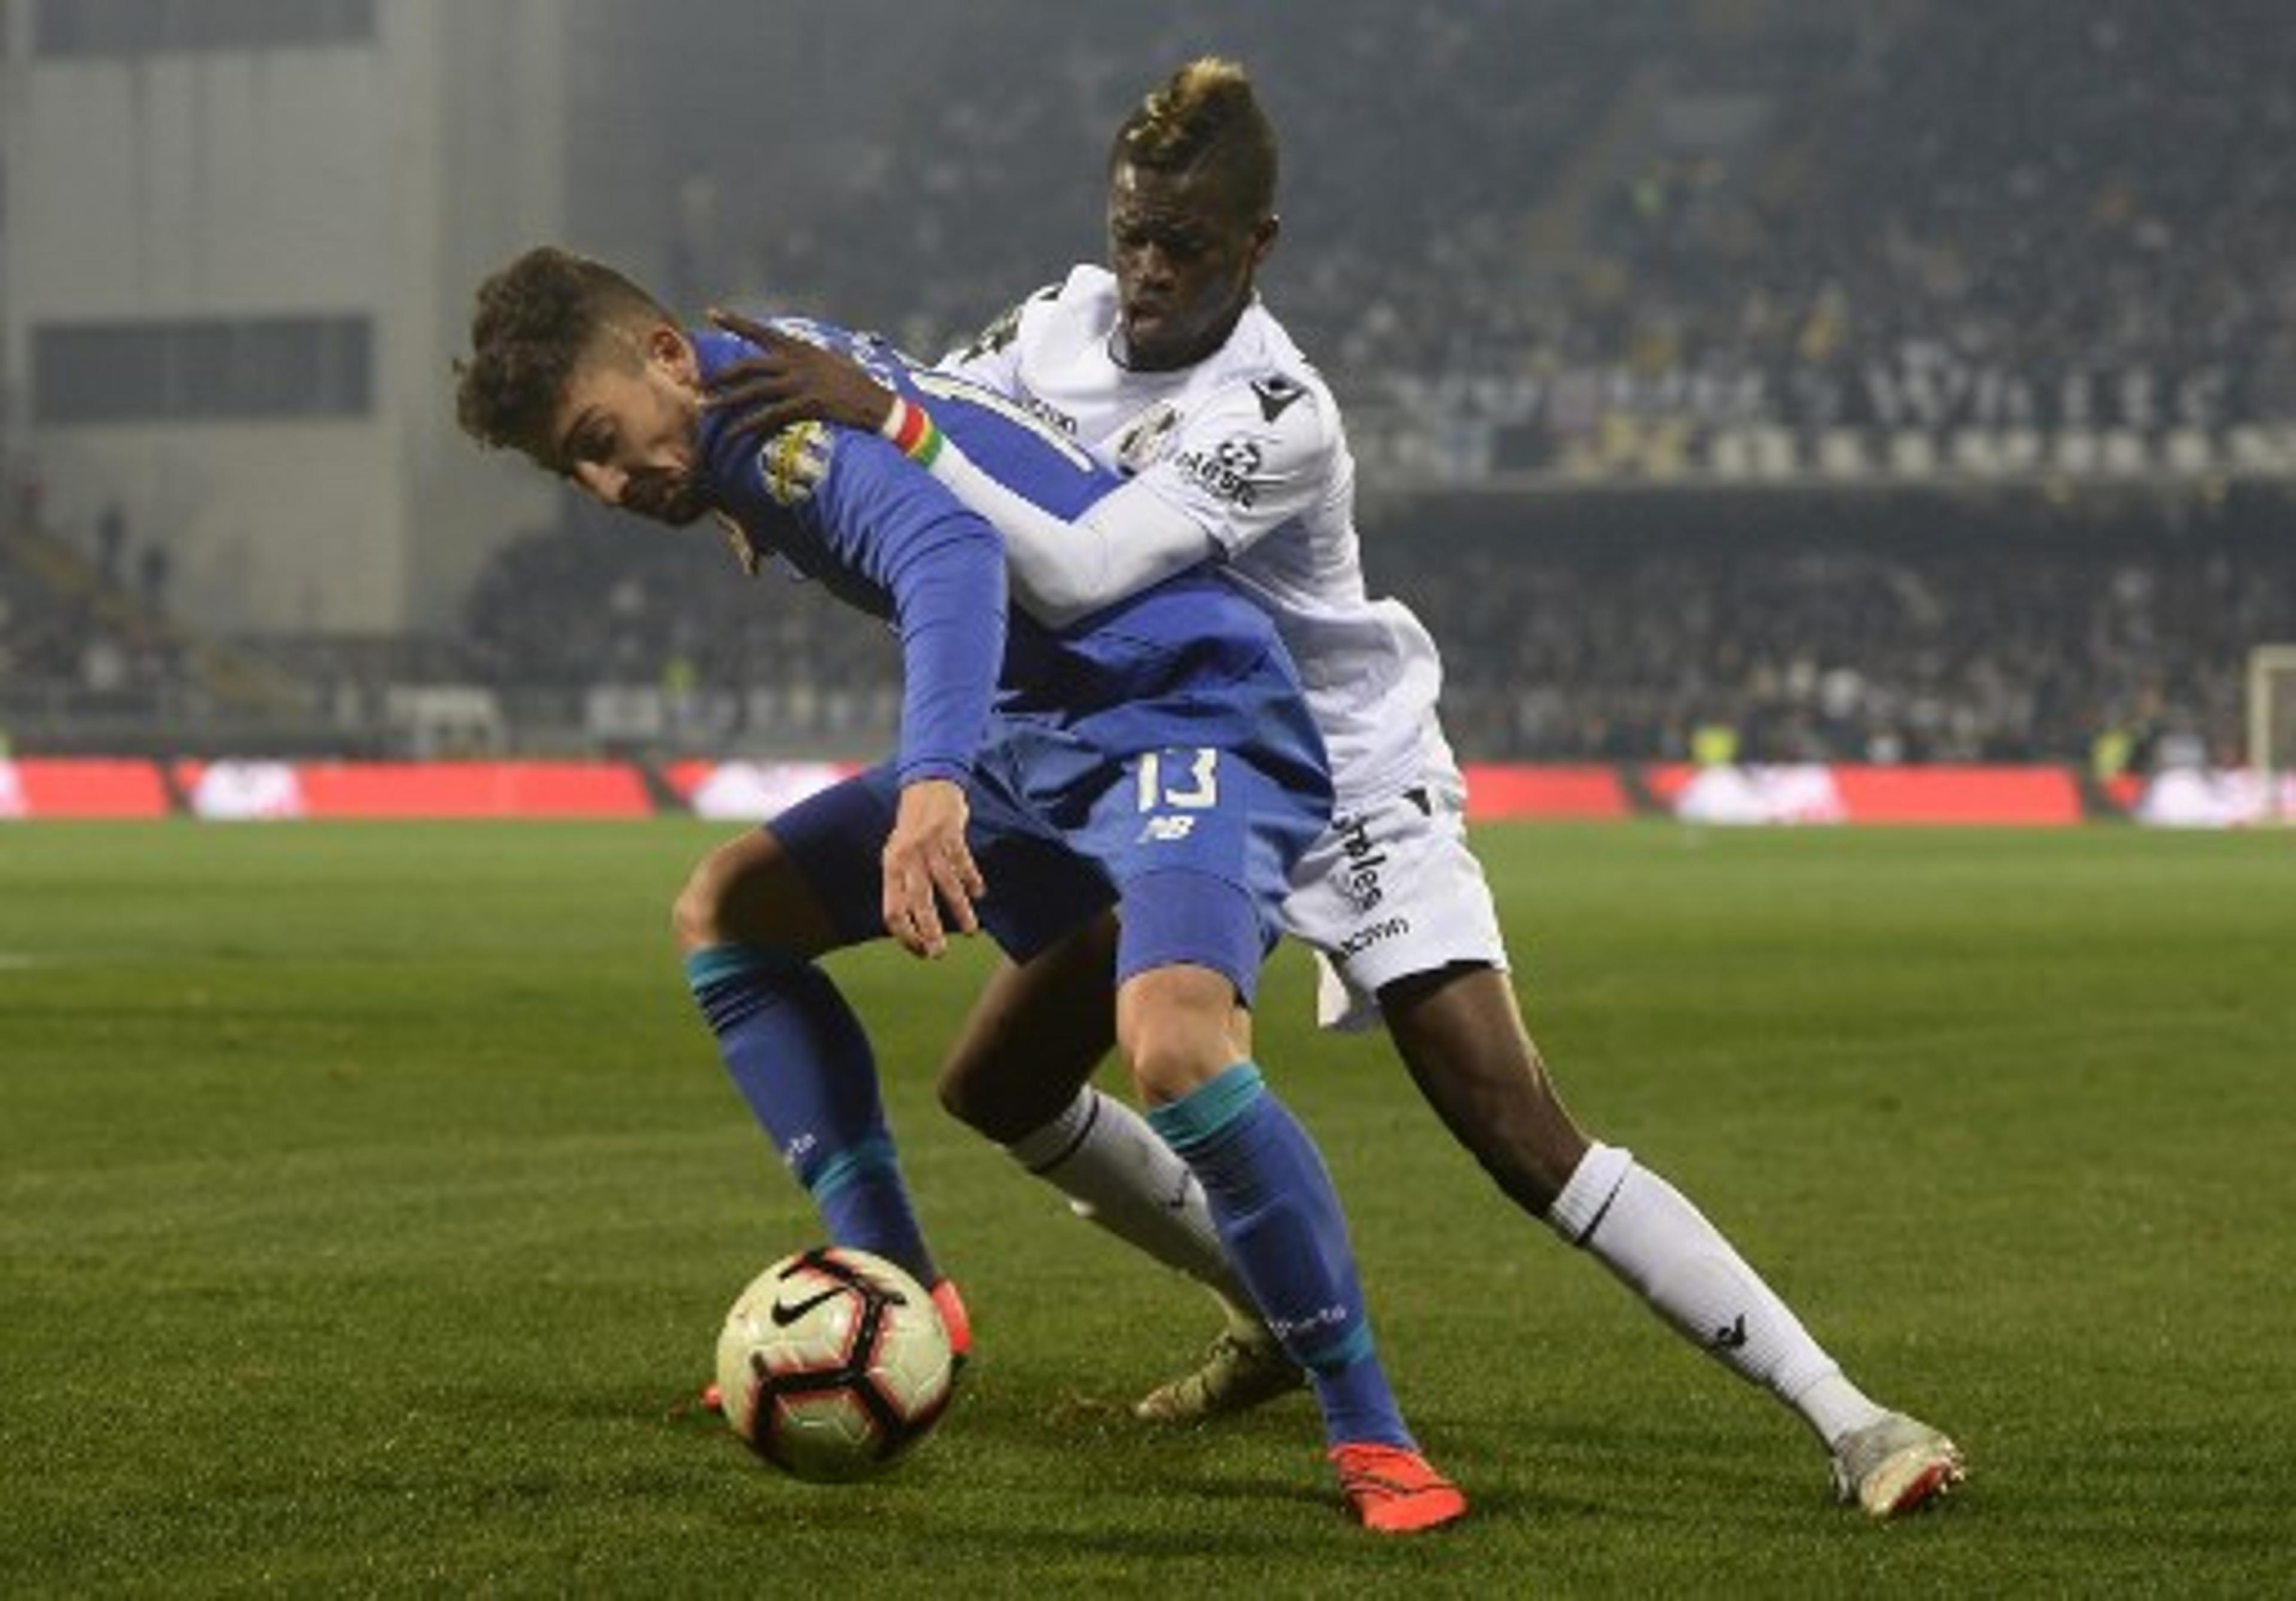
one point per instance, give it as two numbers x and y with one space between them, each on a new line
2272 715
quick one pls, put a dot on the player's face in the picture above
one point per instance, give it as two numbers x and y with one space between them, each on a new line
1184 253
630 428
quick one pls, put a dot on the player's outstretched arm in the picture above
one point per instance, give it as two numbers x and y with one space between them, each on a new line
1061 570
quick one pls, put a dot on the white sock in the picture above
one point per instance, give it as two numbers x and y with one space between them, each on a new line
1119 1173
1660 1245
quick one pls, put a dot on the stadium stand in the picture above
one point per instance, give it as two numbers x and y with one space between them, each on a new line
1919 632
677 616
1657 221
2048 216
92 660
68 631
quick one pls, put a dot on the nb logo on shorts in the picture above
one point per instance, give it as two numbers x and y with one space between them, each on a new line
1165 829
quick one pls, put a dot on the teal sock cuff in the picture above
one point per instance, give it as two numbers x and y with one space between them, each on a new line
713 963
851 1166
1197 1118
1329 1357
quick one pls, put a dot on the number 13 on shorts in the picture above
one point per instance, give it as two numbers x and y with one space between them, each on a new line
1174 786
1179 780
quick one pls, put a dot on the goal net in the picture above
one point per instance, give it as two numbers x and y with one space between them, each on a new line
2272 724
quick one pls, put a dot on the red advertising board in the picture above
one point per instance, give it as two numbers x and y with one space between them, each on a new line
1510 789
81 787
103 787
1959 794
472 789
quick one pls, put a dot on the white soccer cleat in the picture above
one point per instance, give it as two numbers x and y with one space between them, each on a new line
1896 1465
1244 1368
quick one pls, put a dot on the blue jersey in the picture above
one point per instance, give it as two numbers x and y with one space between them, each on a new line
1157 755
847 509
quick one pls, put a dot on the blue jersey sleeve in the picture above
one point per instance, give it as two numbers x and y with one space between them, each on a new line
944 568
848 509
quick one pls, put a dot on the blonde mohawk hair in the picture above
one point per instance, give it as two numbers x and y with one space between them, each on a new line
1205 117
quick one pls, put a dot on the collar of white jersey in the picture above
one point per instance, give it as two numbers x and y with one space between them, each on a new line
1120 355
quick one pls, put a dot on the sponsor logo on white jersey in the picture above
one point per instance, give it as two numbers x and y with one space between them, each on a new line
1140 444
1225 470
1044 411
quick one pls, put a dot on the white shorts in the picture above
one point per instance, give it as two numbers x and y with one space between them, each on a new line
1391 890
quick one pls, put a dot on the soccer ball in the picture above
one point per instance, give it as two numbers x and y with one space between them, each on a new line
833 1364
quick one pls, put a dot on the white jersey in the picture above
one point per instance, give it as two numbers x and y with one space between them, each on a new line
1248 444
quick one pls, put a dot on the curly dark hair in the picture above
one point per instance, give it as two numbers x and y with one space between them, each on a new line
1205 118
535 323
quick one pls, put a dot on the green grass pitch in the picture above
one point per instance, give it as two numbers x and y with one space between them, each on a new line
372 1196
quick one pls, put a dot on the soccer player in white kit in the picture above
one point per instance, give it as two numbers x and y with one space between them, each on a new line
1169 367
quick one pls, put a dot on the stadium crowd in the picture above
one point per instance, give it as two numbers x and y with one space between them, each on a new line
1952 635
679 618
88 623
1819 651
1415 262
2056 213
2063 209
2050 214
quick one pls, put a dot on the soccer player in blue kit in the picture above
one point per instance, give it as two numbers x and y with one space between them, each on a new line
1156 757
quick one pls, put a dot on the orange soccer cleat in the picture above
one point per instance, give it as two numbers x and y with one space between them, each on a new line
954 1318
1394 1490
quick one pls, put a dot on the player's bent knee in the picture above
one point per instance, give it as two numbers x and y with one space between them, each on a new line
750 892
702 914
693 915
1178 1027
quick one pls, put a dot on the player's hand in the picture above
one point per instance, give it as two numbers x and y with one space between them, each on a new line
792 380
929 868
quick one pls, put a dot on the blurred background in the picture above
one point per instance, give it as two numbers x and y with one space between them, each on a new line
1852 381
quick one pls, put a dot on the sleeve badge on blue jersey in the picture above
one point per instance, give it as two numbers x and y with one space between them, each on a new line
794 460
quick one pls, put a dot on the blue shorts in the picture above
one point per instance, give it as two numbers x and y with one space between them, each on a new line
1185 812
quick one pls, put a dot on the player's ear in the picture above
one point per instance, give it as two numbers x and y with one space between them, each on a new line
670 349
1263 238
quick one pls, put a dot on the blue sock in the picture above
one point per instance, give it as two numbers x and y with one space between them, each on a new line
800 1060
1279 1217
